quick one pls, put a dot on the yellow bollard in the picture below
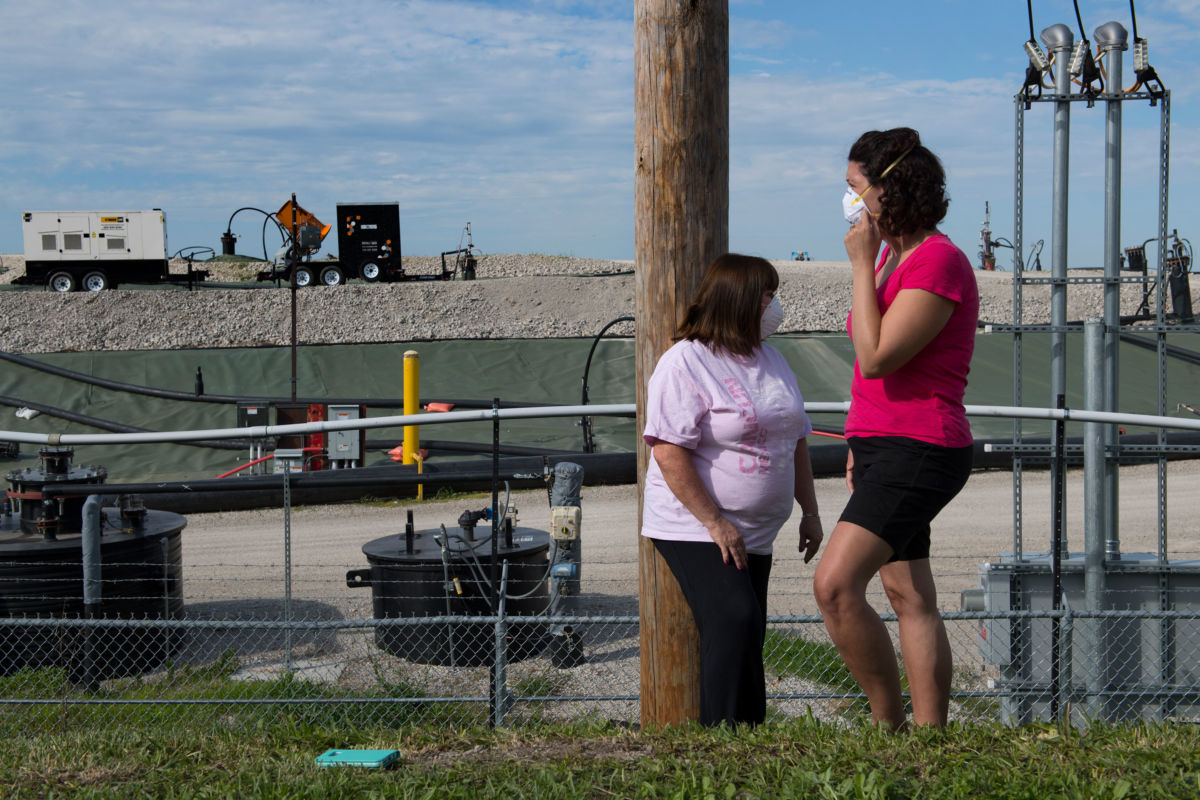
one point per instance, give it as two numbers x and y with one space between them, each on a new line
412 403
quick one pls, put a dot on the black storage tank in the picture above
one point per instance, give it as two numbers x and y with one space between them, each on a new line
41 575
421 584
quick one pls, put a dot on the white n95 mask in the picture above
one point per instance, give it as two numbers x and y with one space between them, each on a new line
772 317
852 206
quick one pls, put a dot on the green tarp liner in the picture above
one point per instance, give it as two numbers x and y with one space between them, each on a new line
534 371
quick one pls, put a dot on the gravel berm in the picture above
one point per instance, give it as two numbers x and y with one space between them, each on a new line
515 297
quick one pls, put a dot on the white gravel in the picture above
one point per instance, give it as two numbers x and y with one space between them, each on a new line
516 296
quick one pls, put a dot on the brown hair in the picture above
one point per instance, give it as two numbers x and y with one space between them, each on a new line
727 310
913 193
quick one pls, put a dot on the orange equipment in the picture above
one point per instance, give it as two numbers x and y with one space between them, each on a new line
303 219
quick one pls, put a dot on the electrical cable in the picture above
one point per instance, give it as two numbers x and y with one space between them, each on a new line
1146 75
1089 72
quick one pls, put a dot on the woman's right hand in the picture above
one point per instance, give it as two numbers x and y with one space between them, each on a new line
729 539
850 470
862 243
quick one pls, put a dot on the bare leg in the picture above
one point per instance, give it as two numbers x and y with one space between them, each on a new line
923 640
851 559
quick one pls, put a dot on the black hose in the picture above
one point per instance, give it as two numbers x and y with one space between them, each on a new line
173 394
1029 6
1133 17
585 422
1174 351
522 470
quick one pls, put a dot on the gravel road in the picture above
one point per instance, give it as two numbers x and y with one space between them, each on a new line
516 296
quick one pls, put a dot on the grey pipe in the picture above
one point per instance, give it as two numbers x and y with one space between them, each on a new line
92 587
1112 39
1059 40
565 491
1094 583
90 546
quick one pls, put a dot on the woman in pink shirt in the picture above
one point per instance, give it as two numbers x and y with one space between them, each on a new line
726 426
913 319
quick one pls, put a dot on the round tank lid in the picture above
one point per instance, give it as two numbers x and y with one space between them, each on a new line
392 548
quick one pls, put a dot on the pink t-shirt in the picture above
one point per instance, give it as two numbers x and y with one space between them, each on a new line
924 398
741 419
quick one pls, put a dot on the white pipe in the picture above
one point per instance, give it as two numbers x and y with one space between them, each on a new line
610 410
266 431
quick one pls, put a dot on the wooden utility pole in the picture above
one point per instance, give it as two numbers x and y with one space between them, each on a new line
681 86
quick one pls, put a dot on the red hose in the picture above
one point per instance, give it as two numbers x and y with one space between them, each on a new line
243 466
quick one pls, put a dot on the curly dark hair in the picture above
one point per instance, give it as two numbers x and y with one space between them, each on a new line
913 193
727 310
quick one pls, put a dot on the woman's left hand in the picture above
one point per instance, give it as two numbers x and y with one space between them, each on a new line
811 536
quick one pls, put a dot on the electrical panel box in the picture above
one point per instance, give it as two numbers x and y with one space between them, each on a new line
345 445
288 460
252 415
369 240
565 522
94 235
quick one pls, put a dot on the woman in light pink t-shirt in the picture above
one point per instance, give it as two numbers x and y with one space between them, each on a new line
913 320
726 426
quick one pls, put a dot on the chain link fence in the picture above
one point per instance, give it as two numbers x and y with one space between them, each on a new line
225 644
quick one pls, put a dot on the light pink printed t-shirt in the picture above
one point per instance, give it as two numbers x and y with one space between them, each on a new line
923 399
741 418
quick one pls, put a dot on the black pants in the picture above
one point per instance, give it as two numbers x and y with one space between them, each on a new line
730 609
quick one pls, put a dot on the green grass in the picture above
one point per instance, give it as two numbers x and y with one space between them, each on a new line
190 748
800 758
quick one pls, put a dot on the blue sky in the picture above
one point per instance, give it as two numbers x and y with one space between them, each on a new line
517 116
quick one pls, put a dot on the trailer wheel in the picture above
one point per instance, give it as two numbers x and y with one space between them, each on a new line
332 276
61 282
370 271
302 276
95 281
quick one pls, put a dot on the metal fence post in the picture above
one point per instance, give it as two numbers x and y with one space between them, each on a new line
500 696
287 567
1066 651
166 590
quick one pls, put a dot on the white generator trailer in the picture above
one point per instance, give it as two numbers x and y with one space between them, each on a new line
97 250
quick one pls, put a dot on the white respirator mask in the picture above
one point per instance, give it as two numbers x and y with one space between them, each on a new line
772 317
852 206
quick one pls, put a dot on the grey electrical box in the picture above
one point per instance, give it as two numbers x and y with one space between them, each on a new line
288 460
1143 667
345 445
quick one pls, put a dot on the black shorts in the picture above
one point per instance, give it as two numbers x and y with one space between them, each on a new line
900 485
